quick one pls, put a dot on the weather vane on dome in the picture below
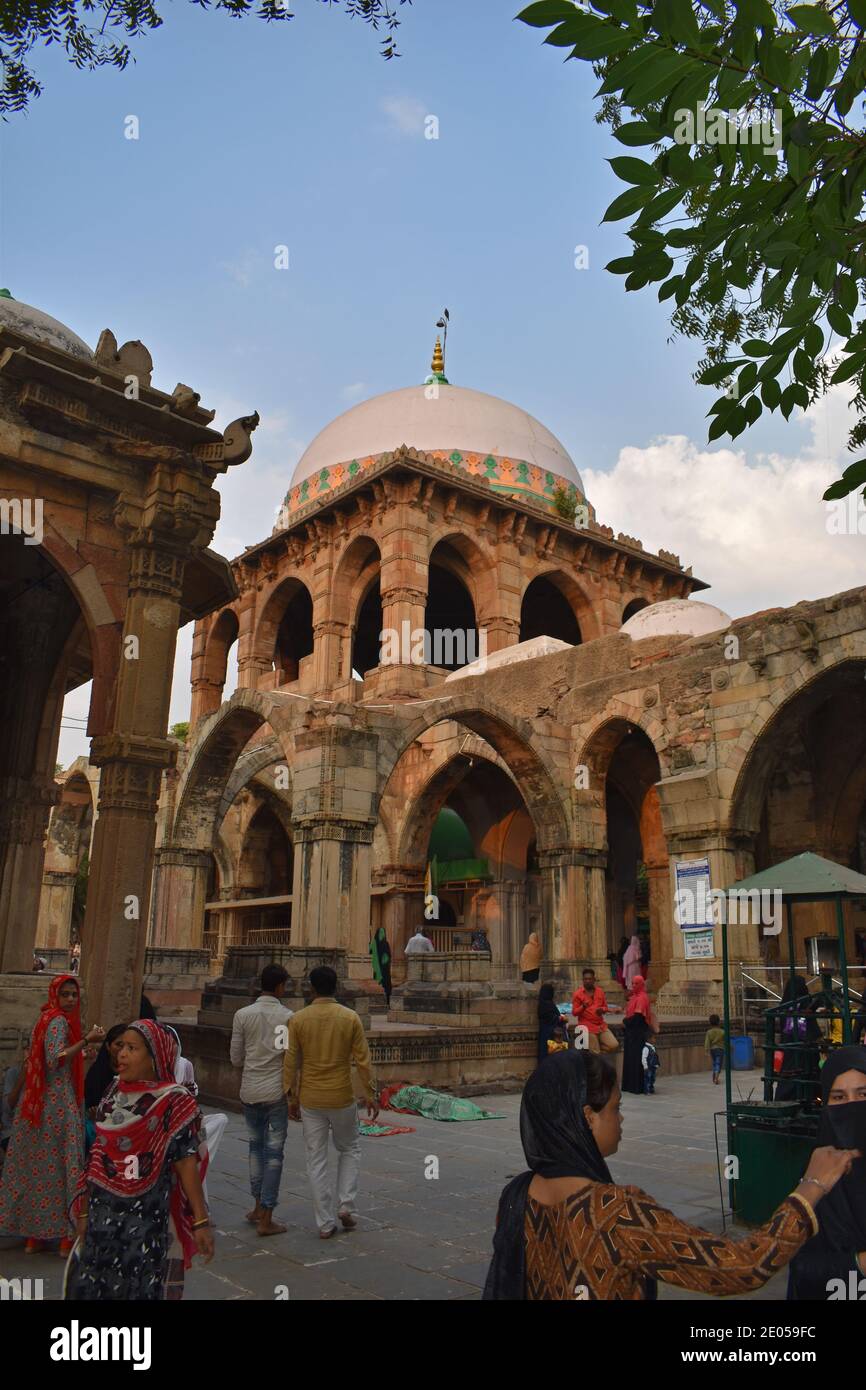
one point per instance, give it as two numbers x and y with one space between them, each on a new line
437 366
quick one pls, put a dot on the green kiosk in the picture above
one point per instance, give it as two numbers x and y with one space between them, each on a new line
772 1138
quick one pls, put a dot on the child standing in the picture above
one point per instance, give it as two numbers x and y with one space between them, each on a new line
650 1062
714 1044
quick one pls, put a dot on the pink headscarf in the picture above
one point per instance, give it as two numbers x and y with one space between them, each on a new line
639 1003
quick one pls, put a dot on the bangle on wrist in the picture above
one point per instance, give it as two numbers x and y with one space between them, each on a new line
201 1223
822 1186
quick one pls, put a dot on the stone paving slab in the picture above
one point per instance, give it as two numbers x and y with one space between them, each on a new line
430 1239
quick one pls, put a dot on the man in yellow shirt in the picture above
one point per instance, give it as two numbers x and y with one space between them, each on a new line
324 1039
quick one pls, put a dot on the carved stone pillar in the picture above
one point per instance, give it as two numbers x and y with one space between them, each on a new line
25 807
404 612
207 696
502 632
574 904
331 889
132 759
55 909
179 891
332 653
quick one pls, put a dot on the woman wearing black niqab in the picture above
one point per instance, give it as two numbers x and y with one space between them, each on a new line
839 1248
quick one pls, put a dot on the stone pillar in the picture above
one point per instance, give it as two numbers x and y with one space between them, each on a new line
574 904
55 909
501 632
331 888
132 759
332 642
179 894
25 806
661 913
206 697
403 614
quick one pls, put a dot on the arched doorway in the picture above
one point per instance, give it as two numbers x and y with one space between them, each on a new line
449 617
547 611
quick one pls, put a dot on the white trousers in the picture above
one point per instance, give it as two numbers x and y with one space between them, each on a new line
343 1125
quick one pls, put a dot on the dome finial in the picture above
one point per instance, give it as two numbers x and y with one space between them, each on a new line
437 366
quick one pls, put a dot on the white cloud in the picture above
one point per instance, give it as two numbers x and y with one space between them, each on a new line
754 527
241 268
406 114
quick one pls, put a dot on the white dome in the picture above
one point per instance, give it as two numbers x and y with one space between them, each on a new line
457 419
33 323
676 617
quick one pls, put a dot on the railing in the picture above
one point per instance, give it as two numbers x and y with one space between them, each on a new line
268 936
772 989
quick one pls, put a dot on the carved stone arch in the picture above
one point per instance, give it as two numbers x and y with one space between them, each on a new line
471 561
266 637
575 595
220 740
251 763
220 640
513 738
755 753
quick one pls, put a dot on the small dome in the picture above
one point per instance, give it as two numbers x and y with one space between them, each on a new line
455 419
33 323
676 617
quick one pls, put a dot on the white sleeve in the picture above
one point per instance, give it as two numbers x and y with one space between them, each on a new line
237 1050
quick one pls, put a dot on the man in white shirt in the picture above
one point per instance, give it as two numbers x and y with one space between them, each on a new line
419 943
259 1041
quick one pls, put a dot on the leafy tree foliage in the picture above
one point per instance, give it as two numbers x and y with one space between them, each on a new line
95 33
748 210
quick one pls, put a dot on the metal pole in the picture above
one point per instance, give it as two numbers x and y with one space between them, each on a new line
843 961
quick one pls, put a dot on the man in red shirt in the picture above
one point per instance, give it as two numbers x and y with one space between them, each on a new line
588 1008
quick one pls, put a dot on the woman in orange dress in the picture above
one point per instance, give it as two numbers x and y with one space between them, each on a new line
566 1230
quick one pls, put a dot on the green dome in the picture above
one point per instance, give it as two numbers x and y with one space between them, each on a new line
450 838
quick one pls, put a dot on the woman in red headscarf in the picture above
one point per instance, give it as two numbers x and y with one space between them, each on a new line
140 1208
46 1150
639 1026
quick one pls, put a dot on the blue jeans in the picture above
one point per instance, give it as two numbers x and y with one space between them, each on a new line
649 1078
267 1125
717 1053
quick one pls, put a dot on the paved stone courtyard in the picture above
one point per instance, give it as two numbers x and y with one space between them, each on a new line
421 1238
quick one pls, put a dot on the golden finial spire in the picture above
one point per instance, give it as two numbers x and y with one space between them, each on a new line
437 366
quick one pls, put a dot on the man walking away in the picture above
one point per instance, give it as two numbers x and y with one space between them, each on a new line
324 1040
259 1046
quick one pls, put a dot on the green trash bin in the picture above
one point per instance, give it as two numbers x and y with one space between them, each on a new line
772 1143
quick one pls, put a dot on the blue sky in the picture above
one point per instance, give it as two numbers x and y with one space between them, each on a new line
254 136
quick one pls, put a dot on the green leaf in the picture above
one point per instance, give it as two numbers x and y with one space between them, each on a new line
662 205
720 371
771 393
804 365
602 42
849 367
545 12
632 170
813 340
675 19
637 133
652 80
670 287
811 19
857 11
846 293
838 320
626 203
854 475
624 69
819 71
755 348
753 410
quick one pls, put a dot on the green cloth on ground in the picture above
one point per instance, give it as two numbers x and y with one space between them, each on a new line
436 1106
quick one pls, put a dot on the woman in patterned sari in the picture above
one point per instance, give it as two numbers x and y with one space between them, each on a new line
46 1151
140 1208
566 1230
